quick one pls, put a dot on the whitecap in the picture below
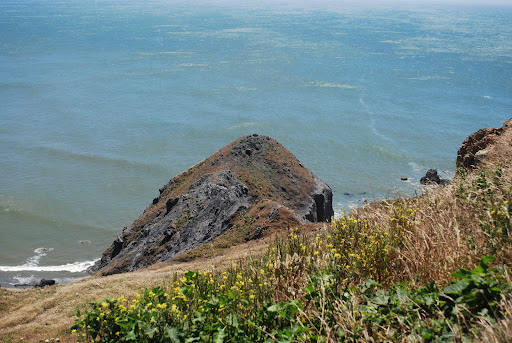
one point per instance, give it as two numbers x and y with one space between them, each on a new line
34 260
156 53
245 89
244 125
76 267
193 65
243 30
415 166
8 204
427 78
332 85
25 280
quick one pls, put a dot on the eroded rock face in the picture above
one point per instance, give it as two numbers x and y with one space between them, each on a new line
473 149
205 201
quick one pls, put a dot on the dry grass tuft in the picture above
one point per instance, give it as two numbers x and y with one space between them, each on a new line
500 332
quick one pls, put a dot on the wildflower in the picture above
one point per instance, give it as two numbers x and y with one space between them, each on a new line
104 304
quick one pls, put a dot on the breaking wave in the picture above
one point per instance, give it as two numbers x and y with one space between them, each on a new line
32 264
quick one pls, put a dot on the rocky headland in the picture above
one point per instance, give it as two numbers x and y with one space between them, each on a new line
253 181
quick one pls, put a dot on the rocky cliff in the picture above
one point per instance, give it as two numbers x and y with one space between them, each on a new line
254 174
483 144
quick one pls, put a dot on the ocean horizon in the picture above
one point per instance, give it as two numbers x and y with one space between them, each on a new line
103 102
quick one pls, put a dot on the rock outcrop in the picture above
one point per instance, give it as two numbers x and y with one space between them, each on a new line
255 175
475 147
432 178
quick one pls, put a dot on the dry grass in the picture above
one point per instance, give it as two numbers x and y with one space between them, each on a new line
34 315
441 234
500 332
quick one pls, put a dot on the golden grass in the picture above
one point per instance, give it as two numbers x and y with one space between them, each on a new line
34 315
501 332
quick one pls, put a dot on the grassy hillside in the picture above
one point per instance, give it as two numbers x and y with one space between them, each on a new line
430 268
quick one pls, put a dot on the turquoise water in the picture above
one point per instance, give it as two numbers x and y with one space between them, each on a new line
102 102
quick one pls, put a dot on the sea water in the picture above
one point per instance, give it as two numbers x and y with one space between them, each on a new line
102 102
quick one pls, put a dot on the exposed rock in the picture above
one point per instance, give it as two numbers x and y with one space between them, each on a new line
44 283
35 284
431 178
254 175
473 150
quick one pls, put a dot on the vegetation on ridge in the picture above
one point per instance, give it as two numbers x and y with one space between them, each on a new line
431 268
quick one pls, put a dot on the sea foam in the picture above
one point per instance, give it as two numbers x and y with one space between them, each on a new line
76 267
32 264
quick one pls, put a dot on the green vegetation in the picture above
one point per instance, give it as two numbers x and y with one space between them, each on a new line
432 268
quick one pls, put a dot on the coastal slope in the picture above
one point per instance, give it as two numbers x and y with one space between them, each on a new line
439 232
253 182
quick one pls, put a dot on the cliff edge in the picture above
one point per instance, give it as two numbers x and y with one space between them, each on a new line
254 174
486 146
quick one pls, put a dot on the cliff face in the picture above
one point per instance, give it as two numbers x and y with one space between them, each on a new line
253 174
483 144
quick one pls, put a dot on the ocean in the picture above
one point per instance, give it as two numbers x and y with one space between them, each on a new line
102 102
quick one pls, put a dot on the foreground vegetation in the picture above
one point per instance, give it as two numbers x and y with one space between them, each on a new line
431 268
